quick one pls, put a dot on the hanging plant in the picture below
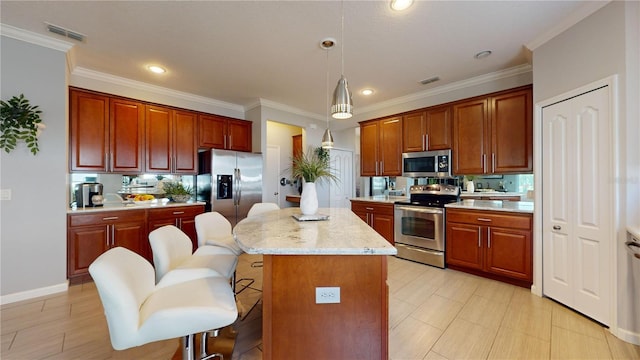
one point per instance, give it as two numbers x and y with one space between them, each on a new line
19 121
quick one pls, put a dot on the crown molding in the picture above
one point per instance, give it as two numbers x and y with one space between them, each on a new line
139 85
574 18
477 80
286 108
35 38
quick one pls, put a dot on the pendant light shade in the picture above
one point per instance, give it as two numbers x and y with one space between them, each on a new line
342 106
327 140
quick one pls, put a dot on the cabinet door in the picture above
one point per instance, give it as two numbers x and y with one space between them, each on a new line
84 245
158 140
438 128
464 246
239 135
89 131
512 132
509 253
369 148
213 131
131 235
414 132
383 224
126 125
185 142
390 147
469 146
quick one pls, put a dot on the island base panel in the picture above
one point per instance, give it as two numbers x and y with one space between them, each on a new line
295 327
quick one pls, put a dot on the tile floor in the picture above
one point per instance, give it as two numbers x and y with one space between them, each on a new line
434 314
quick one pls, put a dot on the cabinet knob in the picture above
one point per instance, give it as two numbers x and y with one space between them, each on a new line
557 227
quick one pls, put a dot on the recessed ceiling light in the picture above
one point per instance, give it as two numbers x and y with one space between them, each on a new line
367 92
482 54
399 5
157 69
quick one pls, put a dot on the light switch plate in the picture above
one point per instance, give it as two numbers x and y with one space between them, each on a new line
5 194
327 295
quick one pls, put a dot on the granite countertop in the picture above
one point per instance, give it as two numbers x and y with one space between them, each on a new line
494 205
489 193
115 206
278 233
382 198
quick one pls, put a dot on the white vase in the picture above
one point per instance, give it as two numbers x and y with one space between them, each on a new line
470 187
309 199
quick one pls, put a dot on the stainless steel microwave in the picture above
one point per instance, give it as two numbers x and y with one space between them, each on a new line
427 164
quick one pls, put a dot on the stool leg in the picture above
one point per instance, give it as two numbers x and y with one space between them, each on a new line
188 352
203 345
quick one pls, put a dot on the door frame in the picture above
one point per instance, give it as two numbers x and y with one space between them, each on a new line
614 191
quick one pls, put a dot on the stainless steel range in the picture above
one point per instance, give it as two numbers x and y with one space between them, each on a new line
419 228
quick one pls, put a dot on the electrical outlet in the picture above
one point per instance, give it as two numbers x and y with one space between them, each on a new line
327 295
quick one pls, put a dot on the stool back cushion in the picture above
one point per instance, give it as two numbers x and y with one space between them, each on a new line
211 225
260 208
124 281
170 247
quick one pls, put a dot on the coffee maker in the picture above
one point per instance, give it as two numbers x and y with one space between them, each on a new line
85 192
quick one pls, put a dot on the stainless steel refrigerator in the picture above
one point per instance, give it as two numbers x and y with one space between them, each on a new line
230 182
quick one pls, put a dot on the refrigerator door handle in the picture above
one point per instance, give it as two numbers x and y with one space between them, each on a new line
239 186
235 186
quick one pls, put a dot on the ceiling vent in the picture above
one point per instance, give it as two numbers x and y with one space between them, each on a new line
65 32
429 80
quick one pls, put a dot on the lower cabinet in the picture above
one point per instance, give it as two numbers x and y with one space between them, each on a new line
377 215
494 244
92 233
89 235
181 217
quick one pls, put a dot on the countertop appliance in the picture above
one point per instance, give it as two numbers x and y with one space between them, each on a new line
419 224
378 184
427 164
229 182
85 192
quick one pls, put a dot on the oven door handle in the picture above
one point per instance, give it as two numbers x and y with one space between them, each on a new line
420 209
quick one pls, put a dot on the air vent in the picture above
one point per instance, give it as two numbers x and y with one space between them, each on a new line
429 80
65 32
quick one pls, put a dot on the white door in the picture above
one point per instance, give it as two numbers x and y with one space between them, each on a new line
271 184
343 190
577 203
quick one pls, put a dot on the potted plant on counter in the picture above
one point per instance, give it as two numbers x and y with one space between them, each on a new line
311 167
176 191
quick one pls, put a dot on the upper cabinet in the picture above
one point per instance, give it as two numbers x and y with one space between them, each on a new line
494 134
106 133
220 132
428 129
381 147
171 145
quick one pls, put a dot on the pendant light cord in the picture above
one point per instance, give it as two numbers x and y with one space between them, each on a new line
342 35
326 92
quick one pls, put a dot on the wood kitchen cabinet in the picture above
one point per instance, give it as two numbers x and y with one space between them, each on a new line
428 129
494 134
377 215
89 235
381 147
106 133
220 132
490 243
172 142
183 217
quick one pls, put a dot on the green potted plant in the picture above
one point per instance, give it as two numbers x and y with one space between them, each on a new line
312 166
19 121
177 192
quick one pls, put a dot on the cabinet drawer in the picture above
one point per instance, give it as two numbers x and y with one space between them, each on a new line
372 207
490 218
178 211
105 217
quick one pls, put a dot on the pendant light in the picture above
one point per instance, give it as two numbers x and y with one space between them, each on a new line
327 138
342 106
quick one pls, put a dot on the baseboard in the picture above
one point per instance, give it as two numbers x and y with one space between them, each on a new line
30 294
628 336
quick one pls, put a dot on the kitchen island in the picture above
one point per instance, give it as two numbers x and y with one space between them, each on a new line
325 292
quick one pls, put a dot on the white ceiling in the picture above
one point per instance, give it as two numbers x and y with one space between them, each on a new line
242 51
